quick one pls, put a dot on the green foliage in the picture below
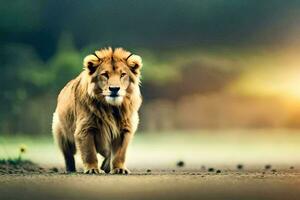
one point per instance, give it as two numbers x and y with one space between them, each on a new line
157 70
20 16
27 80
65 65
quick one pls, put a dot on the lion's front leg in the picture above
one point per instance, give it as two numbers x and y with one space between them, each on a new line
103 146
119 150
84 140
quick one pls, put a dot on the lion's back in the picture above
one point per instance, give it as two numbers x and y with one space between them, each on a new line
63 117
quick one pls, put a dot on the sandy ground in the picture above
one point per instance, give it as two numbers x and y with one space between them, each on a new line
157 152
157 184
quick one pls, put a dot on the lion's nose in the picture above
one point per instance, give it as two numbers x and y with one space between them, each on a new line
114 90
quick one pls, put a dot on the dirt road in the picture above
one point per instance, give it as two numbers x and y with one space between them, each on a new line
221 150
158 184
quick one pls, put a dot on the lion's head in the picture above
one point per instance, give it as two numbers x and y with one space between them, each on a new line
113 74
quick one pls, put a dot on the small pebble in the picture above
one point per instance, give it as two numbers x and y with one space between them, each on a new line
274 171
54 169
211 169
240 166
180 163
173 170
268 167
148 170
218 171
292 167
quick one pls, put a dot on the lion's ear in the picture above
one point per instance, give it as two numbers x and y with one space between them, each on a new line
135 63
91 63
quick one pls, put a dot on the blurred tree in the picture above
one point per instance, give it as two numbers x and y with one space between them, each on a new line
26 78
15 60
65 65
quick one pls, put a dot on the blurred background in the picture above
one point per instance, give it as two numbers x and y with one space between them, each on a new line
221 77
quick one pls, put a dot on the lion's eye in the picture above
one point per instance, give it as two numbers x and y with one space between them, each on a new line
123 74
105 74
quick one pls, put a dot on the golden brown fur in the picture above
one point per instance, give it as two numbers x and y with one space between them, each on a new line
97 112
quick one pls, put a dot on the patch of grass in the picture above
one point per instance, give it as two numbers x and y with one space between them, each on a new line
15 162
19 166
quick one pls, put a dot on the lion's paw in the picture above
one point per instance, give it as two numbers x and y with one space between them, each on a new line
91 171
120 171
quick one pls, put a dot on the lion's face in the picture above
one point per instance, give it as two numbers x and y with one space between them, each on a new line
114 81
112 73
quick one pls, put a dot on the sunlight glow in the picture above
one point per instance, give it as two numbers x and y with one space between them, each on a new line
278 76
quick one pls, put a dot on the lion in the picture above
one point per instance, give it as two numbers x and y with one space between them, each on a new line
97 112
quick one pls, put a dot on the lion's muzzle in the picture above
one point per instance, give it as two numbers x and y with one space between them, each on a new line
114 91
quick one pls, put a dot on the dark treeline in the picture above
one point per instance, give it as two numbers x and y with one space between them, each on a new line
143 24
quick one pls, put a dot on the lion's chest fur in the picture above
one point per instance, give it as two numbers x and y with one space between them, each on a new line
110 121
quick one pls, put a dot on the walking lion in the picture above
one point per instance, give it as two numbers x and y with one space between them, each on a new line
97 112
